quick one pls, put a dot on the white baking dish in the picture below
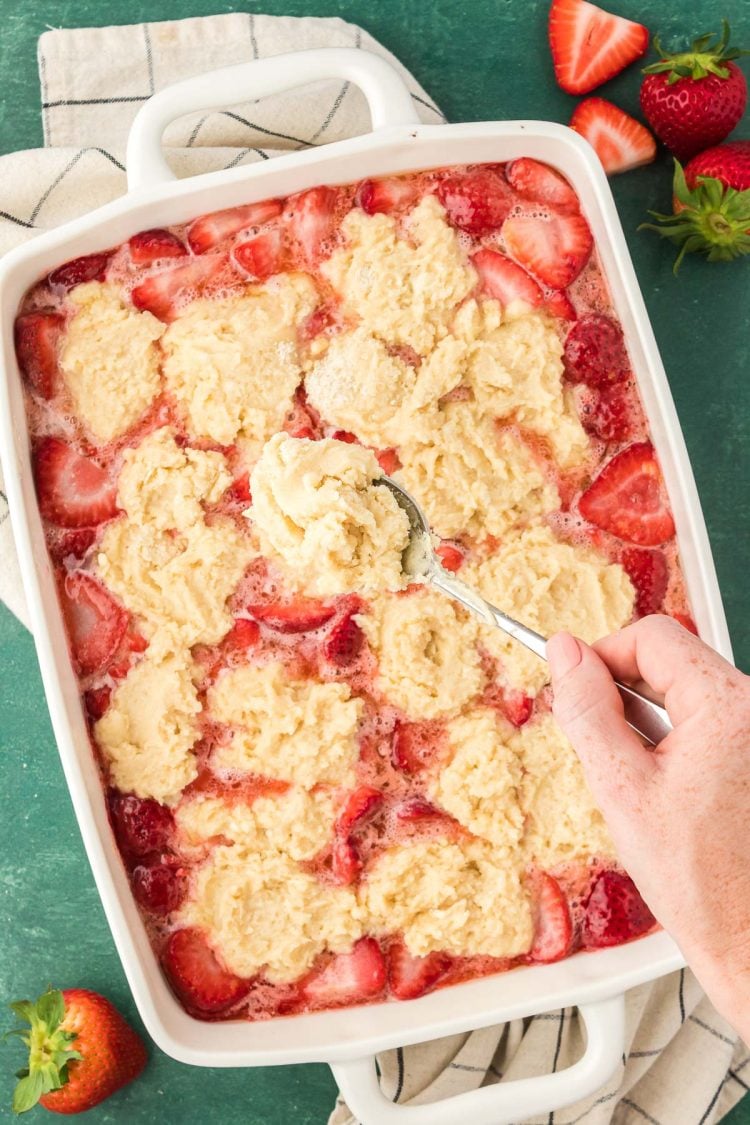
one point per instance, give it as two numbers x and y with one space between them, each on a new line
347 1039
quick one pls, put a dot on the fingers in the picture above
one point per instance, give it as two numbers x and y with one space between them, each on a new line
588 707
673 662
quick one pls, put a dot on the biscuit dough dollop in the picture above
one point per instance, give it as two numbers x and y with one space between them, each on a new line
315 507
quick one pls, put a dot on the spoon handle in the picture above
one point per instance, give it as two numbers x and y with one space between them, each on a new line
647 718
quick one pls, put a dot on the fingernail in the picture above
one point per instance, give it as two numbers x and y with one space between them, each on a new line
563 654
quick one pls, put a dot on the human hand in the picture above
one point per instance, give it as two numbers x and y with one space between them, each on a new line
679 813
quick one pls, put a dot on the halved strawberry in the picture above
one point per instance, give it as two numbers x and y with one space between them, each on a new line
553 249
360 806
162 293
604 414
244 634
505 280
92 267
620 142
348 978
553 927
311 222
541 184
415 745
73 490
38 337
261 256
477 201
299 616
410 976
387 195
595 352
649 573
160 885
344 642
589 46
149 246
95 622
560 305
627 498
614 912
451 557
210 230
69 543
196 974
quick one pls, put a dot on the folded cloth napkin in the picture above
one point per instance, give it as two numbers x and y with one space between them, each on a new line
684 1065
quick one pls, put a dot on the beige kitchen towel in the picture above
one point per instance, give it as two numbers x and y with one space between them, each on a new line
683 1065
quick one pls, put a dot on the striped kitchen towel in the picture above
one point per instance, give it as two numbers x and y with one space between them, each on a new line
683 1064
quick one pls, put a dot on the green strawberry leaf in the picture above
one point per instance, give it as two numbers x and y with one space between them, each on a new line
27 1093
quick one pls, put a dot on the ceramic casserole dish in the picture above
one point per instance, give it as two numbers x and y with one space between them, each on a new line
346 1038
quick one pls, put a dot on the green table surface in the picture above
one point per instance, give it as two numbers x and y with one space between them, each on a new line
480 59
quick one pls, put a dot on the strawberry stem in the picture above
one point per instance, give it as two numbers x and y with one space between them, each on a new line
49 1048
711 219
703 58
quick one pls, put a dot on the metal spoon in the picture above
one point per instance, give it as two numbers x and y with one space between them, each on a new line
419 560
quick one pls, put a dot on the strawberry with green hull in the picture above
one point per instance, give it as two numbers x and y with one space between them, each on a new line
693 99
81 1051
711 204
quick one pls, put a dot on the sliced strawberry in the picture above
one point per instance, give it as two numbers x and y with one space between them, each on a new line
627 498
620 142
141 825
415 745
553 928
605 414
614 912
73 490
311 222
595 352
159 886
210 230
93 267
388 461
344 642
505 280
95 622
97 701
70 543
418 809
299 616
388 195
590 46
649 573
541 184
477 201
348 978
686 621
162 293
38 337
410 976
122 661
244 634
344 435
360 806
196 974
560 305
149 246
553 249
261 256
515 705
451 557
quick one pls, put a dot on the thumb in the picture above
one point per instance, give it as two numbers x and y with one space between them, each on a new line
588 707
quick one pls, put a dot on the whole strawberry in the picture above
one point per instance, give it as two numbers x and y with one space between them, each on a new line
80 1051
711 204
695 98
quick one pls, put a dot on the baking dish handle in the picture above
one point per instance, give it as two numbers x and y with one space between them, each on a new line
387 96
504 1102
